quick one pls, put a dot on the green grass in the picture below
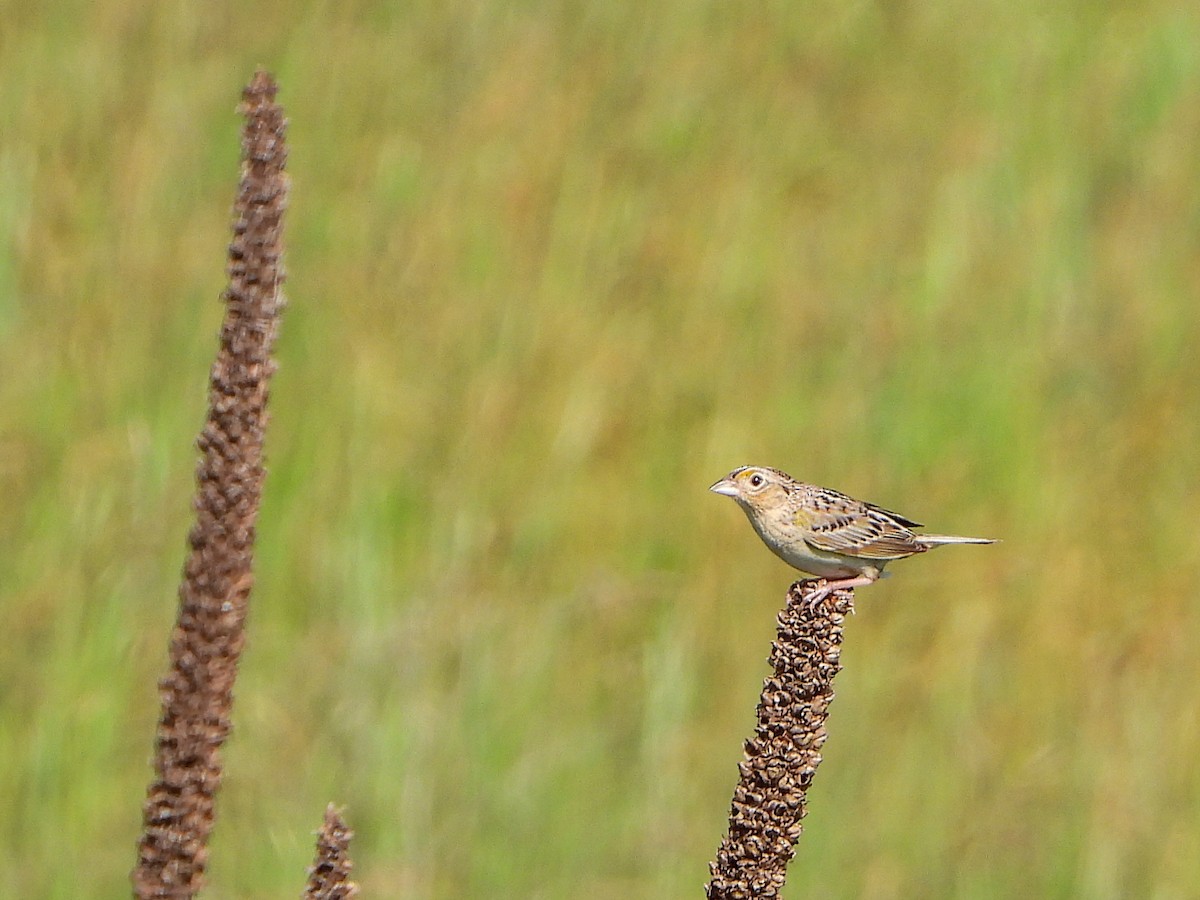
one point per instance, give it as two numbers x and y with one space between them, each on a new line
554 269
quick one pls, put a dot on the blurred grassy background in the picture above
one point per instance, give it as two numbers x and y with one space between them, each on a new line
554 268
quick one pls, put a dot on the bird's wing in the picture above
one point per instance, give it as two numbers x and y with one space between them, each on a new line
836 523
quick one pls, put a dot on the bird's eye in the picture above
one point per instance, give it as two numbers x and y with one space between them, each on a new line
756 480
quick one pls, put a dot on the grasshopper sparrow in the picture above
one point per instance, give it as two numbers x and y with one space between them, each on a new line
844 541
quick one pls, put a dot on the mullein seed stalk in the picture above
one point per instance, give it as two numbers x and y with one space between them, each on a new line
197 692
781 759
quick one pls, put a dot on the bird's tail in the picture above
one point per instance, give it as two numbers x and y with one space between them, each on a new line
937 540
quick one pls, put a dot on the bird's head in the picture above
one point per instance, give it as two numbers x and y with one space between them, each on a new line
755 487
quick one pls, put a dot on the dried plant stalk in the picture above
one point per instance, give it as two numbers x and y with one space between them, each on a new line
329 877
782 757
197 693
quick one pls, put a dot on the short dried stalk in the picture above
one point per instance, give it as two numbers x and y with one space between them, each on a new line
329 877
782 757
197 693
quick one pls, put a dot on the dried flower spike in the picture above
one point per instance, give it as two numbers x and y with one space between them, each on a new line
782 757
329 877
197 692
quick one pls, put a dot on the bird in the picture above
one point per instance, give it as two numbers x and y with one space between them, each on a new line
823 532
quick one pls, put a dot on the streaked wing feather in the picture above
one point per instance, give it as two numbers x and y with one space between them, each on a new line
840 524
895 516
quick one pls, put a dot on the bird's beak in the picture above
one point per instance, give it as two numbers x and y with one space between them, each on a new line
726 487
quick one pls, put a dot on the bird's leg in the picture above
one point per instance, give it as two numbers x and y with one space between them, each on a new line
827 587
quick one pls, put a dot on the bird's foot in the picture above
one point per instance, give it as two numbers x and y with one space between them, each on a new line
825 587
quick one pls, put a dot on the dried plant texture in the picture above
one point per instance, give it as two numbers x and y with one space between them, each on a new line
782 757
197 693
329 878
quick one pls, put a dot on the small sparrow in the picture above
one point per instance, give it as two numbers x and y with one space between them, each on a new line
845 541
